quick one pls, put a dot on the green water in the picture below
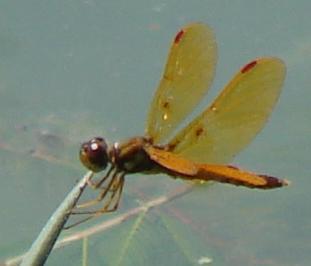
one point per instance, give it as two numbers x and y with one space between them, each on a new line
73 69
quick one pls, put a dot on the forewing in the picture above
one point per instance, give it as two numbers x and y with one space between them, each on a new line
188 74
235 117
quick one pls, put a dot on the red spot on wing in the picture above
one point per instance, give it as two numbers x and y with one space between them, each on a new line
178 36
248 67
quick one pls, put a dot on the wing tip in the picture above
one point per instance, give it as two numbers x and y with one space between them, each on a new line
274 182
275 60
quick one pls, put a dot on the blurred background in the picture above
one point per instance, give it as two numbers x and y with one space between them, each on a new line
70 70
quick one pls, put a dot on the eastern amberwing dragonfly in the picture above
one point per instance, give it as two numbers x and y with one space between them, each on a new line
203 148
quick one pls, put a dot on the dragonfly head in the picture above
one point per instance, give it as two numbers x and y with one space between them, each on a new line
94 154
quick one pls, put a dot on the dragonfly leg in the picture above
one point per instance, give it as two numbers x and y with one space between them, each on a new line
114 186
108 207
96 185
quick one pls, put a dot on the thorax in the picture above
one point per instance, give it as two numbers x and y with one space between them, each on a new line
131 157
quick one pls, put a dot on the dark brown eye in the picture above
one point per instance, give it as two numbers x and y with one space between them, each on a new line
94 154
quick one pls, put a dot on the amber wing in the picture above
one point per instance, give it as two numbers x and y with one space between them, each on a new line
235 116
188 74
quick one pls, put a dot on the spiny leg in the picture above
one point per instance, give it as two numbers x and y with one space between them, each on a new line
117 192
118 182
96 185
103 190
114 197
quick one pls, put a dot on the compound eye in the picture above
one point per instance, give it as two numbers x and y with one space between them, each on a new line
94 154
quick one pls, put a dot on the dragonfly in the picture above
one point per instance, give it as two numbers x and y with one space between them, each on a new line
202 150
